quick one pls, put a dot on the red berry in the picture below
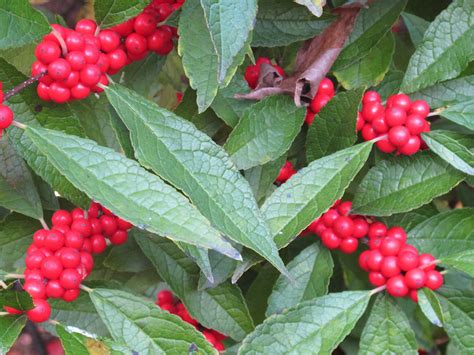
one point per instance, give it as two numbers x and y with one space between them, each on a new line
70 258
389 267
76 60
385 146
71 295
169 307
31 249
251 72
33 275
377 230
363 257
330 240
87 261
125 28
372 110
77 213
262 60
86 27
374 243
368 132
96 227
319 101
39 237
360 121
330 217
343 227
162 35
374 260
145 24
209 336
35 288
109 40
91 53
415 278
54 240
47 52
103 63
108 224
183 313
413 295
117 59
61 228
434 279
80 91
397 233
407 260
401 100
69 279
54 289
98 243
411 147
326 87
119 237
395 116
398 136
397 287
409 248
59 93
426 259
164 296
75 41
376 278
420 107
136 44
41 312
83 226
379 125
344 208
73 239
123 224
61 217
371 96
59 69
51 267
349 245
361 227
90 75
43 92
87 246
34 259
415 124
390 246
6 116
12 310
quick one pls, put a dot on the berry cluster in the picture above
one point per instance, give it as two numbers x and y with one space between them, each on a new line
76 62
401 122
285 173
322 97
6 114
59 259
252 72
166 301
390 261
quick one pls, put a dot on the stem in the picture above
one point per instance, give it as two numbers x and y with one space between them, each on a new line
24 85
4 314
3 285
43 223
14 276
61 41
53 322
444 272
85 288
19 125
377 290
376 139
436 112
434 262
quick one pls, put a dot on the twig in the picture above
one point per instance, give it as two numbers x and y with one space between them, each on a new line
44 224
24 85
85 288
377 290
61 41
3 285
436 112
14 276
19 125
4 314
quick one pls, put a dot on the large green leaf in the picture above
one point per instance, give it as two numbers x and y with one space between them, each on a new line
334 128
230 24
316 326
280 23
112 12
461 113
174 149
416 26
446 49
221 308
412 218
458 311
430 306
370 28
448 93
464 261
404 183
17 189
16 233
144 327
445 234
455 148
311 270
387 330
73 343
20 24
10 329
265 132
370 69
128 190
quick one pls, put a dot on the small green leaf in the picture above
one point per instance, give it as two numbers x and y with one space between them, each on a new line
463 261
461 113
311 270
265 132
416 27
445 234
143 326
17 189
20 24
448 93
390 84
10 329
315 6
127 258
402 184
112 12
429 304
16 299
173 148
316 326
334 128
73 343
121 185
446 48
455 148
387 330
280 23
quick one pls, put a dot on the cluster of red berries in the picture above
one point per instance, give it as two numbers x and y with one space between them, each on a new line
285 173
76 62
60 258
166 301
252 72
322 97
390 261
401 121
6 114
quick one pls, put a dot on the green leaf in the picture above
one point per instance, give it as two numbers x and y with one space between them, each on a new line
401 184
20 24
412 218
390 85
187 158
317 326
416 27
387 330
121 185
265 132
127 258
311 270
17 189
429 304
15 299
315 6
446 48
371 26
10 329
143 326
49 200
445 234
112 12
309 193
229 313
455 148
334 128
463 261
73 343
280 23
448 93
457 306
230 24
200 59
461 113
370 69
16 233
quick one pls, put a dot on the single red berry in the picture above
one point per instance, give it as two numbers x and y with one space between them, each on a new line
164 296
371 96
169 307
117 59
360 122
35 288
90 75
330 240
434 279
162 35
75 41
395 116
98 243
71 295
73 239
59 93
86 27
72 79
251 72
92 40
415 278
401 100
372 110
87 246
330 217
420 107
96 227
145 24
77 213
43 92
87 261
34 274
262 60
76 60
286 172
407 260
6 116
83 226
399 136
91 53
361 227
363 257
119 237
54 289
374 243
54 240
80 91
51 267
408 248
368 132
61 217
47 52
123 224
185 316
374 260
415 124
326 87
349 245
376 278
63 228
59 69
390 246
31 249
411 147
136 44
426 262
39 236
94 210
319 101
377 230
108 224
389 267
379 125
41 311
132 57
413 295
125 28
47 252
70 279
344 208
397 287
70 258
385 146
109 40
103 63
34 259
343 227
37 68
397 233
209 336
